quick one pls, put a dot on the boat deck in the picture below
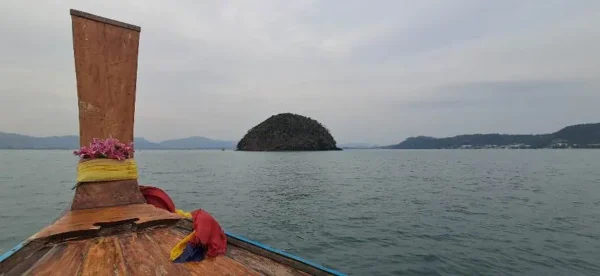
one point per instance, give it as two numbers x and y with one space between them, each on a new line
141 253
136 240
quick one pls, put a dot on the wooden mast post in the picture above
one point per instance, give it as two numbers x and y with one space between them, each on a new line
106 58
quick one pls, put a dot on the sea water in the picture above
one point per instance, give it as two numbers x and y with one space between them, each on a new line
363 212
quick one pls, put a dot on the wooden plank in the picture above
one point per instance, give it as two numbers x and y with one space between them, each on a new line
106 61
90 219
287 261
65 258
261 264
268 256
165 239
220 265
107 194
105 20
23 259
104 257
143 257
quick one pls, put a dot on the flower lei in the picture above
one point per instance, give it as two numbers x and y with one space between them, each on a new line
110 148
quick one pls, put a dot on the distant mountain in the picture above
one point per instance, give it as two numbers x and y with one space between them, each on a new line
197 142
575 136
142 143
357 146
18 141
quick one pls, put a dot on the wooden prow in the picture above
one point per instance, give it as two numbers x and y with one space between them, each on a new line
106 59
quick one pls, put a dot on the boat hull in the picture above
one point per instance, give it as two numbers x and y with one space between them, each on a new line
137 240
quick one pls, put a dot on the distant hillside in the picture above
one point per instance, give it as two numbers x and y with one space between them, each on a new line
576 136
18 141
357 146
197 142
142 143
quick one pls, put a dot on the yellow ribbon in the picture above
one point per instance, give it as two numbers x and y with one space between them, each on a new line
103 169
184 214
178 249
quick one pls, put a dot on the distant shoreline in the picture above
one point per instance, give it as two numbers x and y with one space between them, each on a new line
581 136
142 149
344 149
575 136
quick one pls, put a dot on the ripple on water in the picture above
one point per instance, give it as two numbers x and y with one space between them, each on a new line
365 212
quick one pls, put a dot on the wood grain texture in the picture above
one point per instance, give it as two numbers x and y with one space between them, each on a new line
261 264
106 61
106 194
104 257
104 20
65 258
141 252
165 239
276 257
220 265
251 261
23 260
91 219
143 256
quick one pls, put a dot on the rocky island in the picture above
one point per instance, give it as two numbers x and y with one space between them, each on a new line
288 132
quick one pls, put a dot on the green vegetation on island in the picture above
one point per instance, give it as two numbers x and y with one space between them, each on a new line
288 132
575 136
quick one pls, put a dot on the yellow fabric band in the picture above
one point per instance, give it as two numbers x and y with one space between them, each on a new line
180 246
183 214
96 170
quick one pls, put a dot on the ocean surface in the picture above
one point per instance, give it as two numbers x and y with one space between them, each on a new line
363 212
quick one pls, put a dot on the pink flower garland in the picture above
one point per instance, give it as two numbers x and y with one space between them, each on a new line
110 148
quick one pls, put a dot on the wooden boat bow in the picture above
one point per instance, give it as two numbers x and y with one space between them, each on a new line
109 228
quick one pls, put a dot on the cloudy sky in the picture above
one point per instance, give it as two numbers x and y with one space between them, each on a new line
371 71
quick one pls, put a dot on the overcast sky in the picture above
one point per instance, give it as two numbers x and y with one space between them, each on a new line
371 71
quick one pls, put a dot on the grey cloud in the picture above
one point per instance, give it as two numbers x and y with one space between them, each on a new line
375 71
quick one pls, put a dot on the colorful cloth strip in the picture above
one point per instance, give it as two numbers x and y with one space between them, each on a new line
207 239
97 170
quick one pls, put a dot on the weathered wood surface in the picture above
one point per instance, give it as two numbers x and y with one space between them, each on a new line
107 194
106 61
23 260
104 257
64 259
143 257
92 219
141 252
292 264
105 20
261 264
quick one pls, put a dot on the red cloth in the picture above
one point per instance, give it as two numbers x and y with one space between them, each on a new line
209 233
158 198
